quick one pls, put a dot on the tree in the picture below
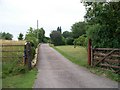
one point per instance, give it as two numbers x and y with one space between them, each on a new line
56 38
80 41
69 41
78 29
20 37
67 34
59 29
35 36
40 34
103 24
6 36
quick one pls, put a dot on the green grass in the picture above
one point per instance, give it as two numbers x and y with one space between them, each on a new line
106 73
14 73
12 65
20 81
78 56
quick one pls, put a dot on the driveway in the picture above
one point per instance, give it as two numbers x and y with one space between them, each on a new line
55 71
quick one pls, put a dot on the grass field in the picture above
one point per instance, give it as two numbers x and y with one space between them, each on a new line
14 73
20 81
78 56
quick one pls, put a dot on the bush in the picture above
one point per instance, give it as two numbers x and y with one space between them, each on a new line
80 41
102 36
69 41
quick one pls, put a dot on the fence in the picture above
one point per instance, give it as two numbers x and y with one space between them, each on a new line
108 58
20 52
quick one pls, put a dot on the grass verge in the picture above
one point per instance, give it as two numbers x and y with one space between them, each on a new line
21 80
78 56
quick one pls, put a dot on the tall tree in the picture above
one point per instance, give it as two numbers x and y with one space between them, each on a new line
103 21
20 37
78 29
56 38
67 34
59 29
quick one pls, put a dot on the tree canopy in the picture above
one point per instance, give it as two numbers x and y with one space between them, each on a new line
56 38
103 23
6 36
78 29
67 34
20 37
35 36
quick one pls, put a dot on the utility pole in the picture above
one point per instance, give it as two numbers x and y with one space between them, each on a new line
37 32
37 24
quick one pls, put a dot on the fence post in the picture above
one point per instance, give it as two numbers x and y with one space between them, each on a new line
27 55
89 52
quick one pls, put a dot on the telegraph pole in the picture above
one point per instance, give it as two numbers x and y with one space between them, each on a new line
37 32
37 24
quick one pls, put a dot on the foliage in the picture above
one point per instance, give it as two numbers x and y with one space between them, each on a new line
69 41
67 34
46 40
78 29
104 72
25 80
56 38
20 37
6 36
80 41
103 24
35 36
12 66
59 29
41 34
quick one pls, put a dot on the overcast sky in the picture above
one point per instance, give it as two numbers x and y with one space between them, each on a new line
16 16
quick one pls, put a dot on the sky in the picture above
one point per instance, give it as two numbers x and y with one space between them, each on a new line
16 16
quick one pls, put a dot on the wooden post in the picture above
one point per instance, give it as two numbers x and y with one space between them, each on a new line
89 52
27 55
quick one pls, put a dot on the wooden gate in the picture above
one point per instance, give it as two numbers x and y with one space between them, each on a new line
20 53
108 58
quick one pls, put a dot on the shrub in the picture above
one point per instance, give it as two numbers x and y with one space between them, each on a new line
80 41
69 41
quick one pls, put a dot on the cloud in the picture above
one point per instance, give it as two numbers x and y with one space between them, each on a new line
21 14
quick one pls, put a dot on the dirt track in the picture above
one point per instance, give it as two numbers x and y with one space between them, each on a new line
55 71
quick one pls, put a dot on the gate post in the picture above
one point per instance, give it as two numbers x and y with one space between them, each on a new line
89 52
27 55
